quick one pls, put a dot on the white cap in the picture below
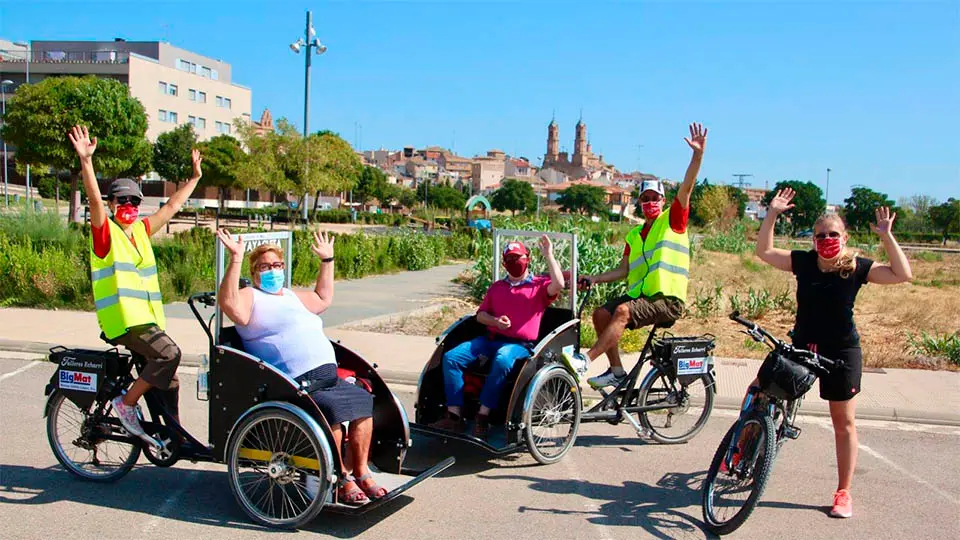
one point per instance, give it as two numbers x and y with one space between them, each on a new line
651 185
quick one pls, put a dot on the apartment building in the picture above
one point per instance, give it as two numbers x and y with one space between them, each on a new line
176 86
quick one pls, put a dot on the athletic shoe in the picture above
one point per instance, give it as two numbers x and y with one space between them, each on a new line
577 363
607 378
842 504
128 417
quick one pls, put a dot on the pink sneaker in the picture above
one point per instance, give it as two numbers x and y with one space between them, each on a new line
128 417
842 504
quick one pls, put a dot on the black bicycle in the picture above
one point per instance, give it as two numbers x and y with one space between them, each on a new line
675 398
742 463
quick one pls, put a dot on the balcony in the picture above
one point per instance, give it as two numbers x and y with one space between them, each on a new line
66 57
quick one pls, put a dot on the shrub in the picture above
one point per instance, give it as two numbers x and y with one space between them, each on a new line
730 240
707 303
943 345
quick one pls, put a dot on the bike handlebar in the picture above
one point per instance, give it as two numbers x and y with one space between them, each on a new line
808 358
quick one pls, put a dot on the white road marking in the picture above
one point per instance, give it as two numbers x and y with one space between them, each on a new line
909 474
18 371
169 503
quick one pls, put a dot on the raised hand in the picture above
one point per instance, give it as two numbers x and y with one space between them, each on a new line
197 159
82 143
234 247
546 247
885 219
781 201
322 244
697 139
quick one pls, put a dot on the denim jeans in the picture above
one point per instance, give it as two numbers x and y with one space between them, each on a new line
502 355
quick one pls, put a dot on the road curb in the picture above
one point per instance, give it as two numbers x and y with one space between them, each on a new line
362 325
810 408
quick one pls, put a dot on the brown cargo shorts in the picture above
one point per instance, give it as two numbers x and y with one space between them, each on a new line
162 357
647 311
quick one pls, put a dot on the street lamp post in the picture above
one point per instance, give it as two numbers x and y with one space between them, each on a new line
3 97
309 41
827 196
27 64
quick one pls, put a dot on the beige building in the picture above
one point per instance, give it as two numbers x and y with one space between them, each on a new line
487 171
176 86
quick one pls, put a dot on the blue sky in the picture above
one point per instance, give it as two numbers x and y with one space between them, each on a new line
871 90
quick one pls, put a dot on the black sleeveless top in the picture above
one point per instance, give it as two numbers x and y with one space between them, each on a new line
825 302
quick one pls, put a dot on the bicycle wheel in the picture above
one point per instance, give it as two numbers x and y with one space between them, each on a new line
76 441
729 496
687 411
277 470
553 419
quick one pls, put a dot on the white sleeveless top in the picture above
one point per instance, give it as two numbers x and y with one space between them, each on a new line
283 333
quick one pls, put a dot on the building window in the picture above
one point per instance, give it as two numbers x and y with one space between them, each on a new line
162 116
172 89
192 120
201 123
205 71
189 67
214 75
171 117
223 127
224 102
201 97
192 94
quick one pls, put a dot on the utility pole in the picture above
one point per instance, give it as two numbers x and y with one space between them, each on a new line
827 194
741 183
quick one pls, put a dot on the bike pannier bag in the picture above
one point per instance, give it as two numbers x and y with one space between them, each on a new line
782 378
686 358
82 373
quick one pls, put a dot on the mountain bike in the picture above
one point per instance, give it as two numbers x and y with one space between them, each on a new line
743 462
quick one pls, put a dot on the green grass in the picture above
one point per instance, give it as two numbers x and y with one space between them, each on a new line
933 344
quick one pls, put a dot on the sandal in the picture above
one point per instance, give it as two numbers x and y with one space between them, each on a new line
374 491
354 496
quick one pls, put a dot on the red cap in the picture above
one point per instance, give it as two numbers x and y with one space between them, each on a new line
515 248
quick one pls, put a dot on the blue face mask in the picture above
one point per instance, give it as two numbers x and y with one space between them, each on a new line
271 281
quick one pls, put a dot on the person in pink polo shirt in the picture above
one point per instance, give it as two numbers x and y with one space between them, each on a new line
511 310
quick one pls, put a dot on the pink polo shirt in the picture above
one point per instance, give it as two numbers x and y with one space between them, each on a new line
524 304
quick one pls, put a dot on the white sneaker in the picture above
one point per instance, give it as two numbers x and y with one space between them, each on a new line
128 417
607 378
577 363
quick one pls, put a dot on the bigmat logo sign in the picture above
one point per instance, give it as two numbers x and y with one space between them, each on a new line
78 380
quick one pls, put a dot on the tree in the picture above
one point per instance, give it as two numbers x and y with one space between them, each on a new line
946 217
283 161
171 153
222 156
514 195
860 207
583 199
407 197
714 205
915 213
372 184
441 196
39 116
808 203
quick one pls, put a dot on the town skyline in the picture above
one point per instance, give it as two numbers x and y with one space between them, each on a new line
808 92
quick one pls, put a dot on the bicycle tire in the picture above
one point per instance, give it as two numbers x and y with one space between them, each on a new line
555 403
126 458
651 419
760 475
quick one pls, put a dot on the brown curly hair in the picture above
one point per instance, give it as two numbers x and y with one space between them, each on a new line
846 263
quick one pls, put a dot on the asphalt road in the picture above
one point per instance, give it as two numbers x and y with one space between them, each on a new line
611 485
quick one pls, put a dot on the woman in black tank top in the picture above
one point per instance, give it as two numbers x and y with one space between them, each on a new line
828 280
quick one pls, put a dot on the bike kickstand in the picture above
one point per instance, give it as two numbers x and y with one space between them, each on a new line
641 431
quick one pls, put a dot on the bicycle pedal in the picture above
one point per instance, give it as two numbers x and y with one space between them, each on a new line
791 432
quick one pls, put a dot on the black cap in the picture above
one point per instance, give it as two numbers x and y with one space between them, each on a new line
123 187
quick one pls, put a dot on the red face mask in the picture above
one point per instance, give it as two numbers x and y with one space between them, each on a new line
126 214
829 248
652 210
516 267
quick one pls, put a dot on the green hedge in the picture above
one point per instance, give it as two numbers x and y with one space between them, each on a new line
46 264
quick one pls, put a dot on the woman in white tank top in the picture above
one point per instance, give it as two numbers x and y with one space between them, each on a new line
282 327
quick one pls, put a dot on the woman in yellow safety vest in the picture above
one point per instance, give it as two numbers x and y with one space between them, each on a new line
126 290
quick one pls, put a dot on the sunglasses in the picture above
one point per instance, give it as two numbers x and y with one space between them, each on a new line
824 236
263 267
128 199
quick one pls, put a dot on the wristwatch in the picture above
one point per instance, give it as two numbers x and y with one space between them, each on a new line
328 259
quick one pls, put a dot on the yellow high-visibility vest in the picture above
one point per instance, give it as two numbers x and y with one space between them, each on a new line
659 264
126 290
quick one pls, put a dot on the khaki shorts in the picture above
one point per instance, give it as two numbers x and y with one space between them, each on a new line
647 311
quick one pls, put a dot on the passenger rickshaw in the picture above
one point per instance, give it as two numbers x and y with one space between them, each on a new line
276 444
542 405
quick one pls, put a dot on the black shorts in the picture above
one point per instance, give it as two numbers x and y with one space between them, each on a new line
843 382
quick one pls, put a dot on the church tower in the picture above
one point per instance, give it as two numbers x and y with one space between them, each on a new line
580 144
553 142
